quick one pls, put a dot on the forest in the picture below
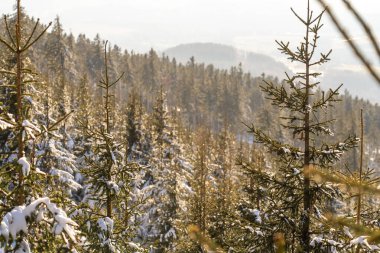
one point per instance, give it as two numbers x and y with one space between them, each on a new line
106 150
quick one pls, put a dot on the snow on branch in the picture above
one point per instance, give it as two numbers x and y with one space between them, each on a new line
25 166
16 221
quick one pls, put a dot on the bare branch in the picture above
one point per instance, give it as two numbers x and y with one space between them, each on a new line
117 80
295 13
353 46
365 26
32 33
9 31
7 45
36 39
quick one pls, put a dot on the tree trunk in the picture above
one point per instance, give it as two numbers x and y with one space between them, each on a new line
307 194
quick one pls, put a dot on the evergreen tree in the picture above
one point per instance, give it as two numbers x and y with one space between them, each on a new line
23 185
57 53
163 174
132 127
108 183
224 193
84 105
301 198
199 201
133 165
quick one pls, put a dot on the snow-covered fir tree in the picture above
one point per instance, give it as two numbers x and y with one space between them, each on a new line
30 218
162 177
105 211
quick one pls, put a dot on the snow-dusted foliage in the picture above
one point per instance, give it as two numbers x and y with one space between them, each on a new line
160 210
17 221
28 216
106 203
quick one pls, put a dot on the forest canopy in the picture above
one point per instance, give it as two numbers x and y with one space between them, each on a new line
107 150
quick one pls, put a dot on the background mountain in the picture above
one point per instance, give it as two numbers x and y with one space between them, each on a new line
225 57
358 83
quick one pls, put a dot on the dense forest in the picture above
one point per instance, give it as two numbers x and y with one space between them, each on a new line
106 150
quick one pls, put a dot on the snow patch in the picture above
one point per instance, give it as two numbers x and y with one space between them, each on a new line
25 166
256 214
113 186
347 232
361 240
27 123
285 150
4 125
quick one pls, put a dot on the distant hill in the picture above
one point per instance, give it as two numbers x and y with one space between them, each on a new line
223 56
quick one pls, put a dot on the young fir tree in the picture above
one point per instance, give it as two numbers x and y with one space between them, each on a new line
84 118
359 217
298 202
198 213
131 125
137 134
83 115
28 215
108 183
162 214
57 54
223 193
247 232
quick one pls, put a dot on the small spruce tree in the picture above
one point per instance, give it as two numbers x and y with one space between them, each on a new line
106 211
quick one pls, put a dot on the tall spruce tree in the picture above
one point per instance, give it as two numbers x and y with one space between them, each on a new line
223 191
131 124
56 53
299 199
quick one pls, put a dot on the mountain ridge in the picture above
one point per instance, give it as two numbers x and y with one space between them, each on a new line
226 56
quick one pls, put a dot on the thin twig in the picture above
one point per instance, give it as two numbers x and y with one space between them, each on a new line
36 39
32 33
9 31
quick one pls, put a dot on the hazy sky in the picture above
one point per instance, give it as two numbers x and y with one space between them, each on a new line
252 25
142 24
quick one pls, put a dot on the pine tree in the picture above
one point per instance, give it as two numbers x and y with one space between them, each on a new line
53 154
132 124
57 53
84 105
